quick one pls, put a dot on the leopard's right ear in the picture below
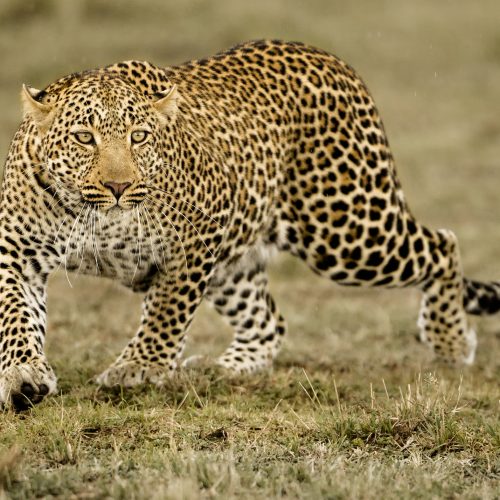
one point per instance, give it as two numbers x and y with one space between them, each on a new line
41 113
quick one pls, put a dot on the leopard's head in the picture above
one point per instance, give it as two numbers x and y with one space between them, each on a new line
101 138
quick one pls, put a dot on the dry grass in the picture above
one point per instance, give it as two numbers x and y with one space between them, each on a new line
354 408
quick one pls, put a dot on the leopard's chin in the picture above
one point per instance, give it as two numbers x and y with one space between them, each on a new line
115 212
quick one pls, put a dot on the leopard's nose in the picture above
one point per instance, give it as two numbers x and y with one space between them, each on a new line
117 188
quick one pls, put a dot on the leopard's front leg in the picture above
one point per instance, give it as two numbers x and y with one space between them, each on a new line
25 375
167 311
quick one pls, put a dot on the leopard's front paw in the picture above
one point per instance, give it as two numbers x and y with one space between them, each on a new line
24 385
131 373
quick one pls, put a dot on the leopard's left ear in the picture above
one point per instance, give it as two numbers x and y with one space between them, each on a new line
41 113
167 102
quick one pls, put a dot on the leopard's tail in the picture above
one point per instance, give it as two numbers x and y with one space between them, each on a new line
481 298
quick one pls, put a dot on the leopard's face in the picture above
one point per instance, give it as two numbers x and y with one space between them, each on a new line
101 141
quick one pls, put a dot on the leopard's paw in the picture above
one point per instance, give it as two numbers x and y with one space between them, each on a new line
132 373
461 352
197 361
22 386
245 363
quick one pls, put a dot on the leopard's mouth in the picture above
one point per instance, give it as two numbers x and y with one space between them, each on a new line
111 206
112 196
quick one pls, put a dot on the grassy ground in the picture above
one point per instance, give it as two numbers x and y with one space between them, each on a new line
354 407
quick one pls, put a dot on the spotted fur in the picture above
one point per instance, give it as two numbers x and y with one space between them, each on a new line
178 181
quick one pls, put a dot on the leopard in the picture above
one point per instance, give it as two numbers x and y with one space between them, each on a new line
180 182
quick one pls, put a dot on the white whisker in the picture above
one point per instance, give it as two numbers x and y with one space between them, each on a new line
156 229
158 203
68 246
85 231
151 238
171 193
95 248
178 237
138 245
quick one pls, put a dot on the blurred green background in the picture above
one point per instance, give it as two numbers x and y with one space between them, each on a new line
433 67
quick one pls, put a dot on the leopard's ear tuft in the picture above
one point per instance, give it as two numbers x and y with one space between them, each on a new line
167 102
41 113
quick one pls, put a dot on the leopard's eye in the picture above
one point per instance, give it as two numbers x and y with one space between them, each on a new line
139 136
85 138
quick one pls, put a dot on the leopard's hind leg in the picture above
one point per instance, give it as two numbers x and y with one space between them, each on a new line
242 298
442 320
405 254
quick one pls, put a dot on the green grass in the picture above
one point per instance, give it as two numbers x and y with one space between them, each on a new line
355 408
294 433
